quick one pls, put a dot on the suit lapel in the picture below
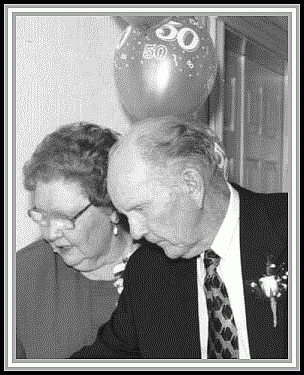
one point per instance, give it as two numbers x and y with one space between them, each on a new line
257 240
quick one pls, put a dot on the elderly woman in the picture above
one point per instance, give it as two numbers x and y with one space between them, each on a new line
68 282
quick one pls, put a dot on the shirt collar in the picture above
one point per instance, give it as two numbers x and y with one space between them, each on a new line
225 234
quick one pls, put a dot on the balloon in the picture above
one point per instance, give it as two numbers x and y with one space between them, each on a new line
167 70
144 22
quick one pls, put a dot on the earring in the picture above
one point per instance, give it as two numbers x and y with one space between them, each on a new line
115 221
115 230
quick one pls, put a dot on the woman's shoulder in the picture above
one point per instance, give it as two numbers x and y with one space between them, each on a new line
38 245
34 255
38 266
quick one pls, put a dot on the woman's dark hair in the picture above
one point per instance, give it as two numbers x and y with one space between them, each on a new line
76 152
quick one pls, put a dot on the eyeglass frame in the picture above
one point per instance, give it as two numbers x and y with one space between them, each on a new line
70 219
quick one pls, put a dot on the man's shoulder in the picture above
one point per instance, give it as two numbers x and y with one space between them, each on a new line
148 253
148 258
268 212
274 200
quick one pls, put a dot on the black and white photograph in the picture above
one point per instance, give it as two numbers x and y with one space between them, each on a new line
150 187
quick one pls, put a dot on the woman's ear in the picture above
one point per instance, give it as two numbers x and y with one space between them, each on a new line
114 217
194 185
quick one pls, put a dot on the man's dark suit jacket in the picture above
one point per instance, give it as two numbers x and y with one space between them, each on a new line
157 314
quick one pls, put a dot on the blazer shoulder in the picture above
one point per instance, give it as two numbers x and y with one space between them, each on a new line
267 213
39 246
34 256
148 259
147 252
274 203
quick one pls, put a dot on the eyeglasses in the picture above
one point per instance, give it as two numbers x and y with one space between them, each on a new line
44 219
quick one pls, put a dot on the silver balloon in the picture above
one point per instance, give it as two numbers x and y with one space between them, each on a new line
169 69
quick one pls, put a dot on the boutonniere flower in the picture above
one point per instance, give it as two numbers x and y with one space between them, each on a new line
272 285
118 271
119 268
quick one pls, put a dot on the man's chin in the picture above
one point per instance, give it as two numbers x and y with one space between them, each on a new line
175 252
172 252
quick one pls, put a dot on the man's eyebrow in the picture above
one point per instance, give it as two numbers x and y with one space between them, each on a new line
129 207
133 207
136 206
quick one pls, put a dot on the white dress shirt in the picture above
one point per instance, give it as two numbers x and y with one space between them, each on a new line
227 245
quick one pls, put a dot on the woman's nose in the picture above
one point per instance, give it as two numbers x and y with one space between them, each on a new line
53 231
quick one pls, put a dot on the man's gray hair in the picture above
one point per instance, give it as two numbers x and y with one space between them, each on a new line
174 139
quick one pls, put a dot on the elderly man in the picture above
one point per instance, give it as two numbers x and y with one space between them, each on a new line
214 285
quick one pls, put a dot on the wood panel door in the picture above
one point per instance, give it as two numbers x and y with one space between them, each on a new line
263 128
233 105
253 115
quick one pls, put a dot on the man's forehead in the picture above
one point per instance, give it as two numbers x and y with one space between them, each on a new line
127 185
145 127
125 157
127 164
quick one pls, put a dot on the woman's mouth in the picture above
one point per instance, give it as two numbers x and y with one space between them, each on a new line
62 249
70 259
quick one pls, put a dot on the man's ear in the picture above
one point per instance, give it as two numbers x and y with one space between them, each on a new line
194 185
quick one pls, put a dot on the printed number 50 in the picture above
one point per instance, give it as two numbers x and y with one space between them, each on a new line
180 35
154 50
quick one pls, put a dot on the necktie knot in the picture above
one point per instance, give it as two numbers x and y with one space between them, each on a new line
211 260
